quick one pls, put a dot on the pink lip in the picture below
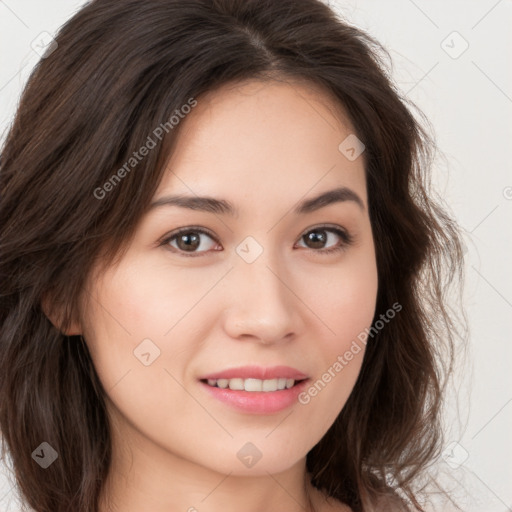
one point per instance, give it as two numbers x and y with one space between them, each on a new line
258 372
257 402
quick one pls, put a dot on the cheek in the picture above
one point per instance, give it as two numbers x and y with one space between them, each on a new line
346 305
140 300
136 303
137 364
346 301
153 297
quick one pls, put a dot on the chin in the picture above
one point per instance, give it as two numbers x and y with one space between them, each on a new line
254 458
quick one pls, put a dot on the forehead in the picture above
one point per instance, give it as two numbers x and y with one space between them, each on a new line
270 138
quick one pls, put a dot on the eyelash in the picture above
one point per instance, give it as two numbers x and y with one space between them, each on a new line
346 237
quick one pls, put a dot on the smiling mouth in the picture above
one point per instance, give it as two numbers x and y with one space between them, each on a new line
253 385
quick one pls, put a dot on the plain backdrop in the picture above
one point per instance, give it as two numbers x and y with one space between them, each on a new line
453 59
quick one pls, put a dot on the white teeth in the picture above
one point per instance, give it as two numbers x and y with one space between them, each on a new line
266 385
222 383
253 385
236 384
269 385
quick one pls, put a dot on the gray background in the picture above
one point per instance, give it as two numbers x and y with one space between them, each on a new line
467 95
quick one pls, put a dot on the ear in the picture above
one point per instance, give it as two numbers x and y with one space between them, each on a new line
54 315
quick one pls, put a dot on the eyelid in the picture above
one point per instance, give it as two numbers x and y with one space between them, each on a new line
165 240
346 237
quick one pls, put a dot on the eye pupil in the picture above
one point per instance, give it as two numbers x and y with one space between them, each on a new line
318 238
191 241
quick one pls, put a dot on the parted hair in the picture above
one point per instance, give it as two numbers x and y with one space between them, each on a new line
119 69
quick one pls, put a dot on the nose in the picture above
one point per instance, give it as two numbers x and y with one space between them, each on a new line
263 305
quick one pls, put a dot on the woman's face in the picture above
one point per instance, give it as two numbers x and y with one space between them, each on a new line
248 297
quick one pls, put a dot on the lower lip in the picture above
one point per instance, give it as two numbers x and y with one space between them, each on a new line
257 402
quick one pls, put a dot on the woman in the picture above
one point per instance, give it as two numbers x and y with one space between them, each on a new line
222 267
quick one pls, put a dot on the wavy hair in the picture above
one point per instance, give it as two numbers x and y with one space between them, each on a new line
119 69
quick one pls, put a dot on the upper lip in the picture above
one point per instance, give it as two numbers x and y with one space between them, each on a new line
257 372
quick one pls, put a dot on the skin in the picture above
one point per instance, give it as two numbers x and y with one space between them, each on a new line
263 146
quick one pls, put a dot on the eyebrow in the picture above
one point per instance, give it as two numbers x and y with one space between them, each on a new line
221 206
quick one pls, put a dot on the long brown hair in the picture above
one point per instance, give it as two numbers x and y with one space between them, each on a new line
121 68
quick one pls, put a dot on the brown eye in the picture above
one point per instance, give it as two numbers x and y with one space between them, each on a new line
189 240
318 238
